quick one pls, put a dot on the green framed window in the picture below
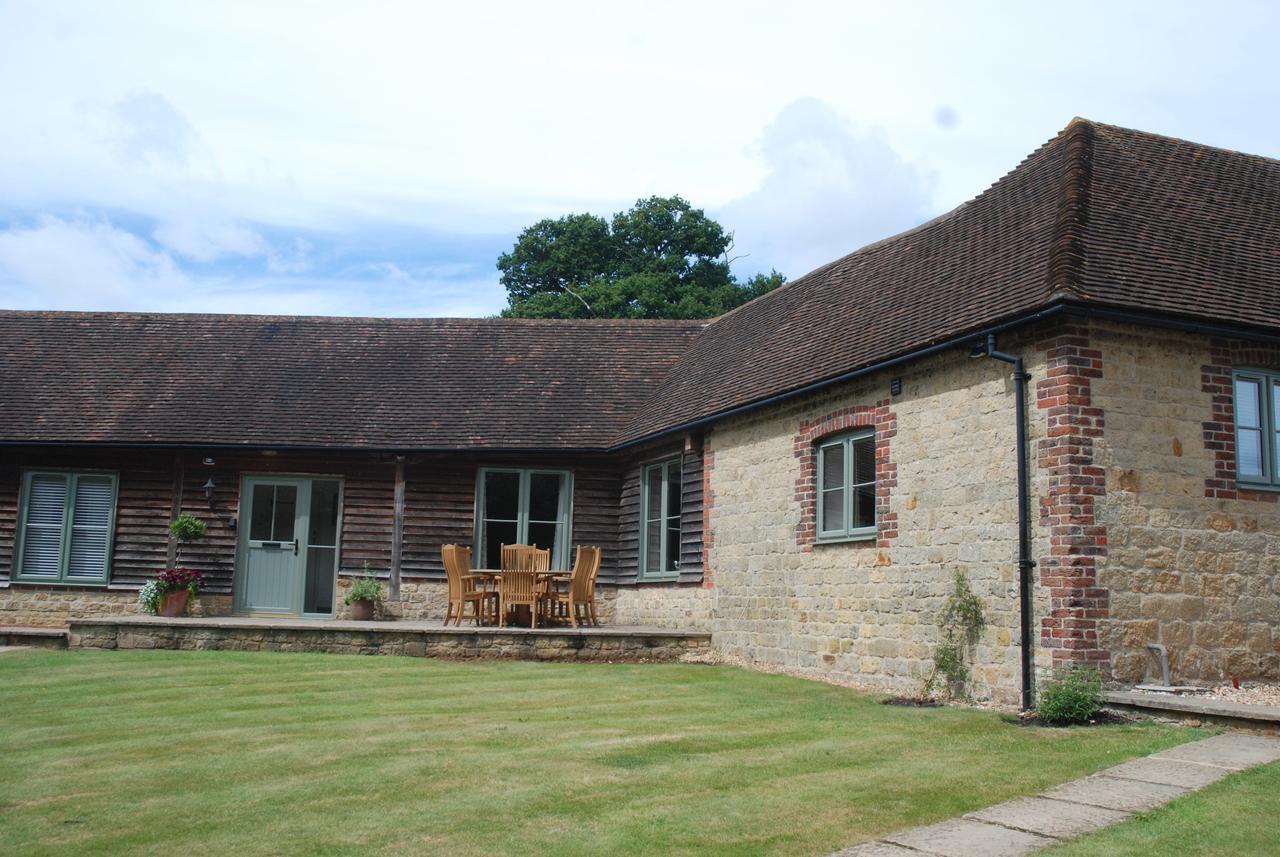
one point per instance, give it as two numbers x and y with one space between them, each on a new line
1257 414
660 504
523 506
846 494
65 527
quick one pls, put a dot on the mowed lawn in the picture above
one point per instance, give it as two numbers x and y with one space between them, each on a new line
258 754
1237 816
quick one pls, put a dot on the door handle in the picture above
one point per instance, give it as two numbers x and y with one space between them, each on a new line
295 547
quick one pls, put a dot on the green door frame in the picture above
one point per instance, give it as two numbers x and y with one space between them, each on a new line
302 520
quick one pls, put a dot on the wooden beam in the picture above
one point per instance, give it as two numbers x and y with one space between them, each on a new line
397 531
175 505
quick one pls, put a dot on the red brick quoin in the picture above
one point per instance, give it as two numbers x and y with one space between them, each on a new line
885 423
1220 430
1076 539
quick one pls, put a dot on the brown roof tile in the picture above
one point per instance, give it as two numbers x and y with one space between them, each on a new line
328 382
1098 215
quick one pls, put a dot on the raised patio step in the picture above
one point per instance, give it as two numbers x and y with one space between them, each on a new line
43 638
419 639
1262 718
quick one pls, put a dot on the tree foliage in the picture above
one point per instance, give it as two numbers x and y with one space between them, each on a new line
661 259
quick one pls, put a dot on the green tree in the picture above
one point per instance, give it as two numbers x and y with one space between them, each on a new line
661 259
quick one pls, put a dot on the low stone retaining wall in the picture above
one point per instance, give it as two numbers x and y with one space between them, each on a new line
388 638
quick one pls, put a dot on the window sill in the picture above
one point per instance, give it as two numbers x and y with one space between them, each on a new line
670 577
1257 486
44 581
853 538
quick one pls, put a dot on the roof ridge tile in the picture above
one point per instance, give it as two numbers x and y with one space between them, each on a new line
1067 245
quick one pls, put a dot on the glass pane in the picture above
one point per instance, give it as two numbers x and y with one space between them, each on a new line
323 528
318 595
544 496
864 460
502 496
673 547
864 506
263 504
673 489
832 509
286 511
653 494
497 534
653 547
1249 452
1247 401
543 536
832 465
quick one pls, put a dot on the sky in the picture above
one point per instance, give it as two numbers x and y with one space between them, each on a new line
376 158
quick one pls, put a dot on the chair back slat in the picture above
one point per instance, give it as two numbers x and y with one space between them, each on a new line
517 557
457 562
518 587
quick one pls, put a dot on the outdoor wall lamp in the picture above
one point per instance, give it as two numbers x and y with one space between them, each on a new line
209 485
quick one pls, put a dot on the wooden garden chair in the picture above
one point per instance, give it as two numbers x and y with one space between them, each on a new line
464 588
518 588
580 597
517 557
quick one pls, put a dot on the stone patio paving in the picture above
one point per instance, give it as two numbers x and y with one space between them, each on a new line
1081 806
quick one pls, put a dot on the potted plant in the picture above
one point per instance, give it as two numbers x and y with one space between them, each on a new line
170 593
364 596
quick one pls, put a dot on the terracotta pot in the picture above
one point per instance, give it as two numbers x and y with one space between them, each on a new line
174 603
362 611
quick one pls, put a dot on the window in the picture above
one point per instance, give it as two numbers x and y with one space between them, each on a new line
66 522
847 487
1257 407
660 520
523 507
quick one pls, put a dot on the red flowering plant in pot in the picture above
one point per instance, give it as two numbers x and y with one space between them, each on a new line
170 592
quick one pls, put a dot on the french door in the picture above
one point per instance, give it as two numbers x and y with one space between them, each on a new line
288 557
523 507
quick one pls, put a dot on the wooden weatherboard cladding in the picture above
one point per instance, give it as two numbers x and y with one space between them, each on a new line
627 569
439 506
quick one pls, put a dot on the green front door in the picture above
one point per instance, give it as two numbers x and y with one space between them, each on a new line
288 545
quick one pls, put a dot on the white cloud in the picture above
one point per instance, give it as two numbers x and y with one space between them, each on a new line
829 188
96 265
150 127
206 239
62 264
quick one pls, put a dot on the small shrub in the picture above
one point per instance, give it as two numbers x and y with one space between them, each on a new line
961 624
365 588
187 527
1074 695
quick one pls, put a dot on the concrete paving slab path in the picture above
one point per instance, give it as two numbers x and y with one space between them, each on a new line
1046 817
1170 772
1081 806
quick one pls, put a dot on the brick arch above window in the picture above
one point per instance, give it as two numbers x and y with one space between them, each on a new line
805 447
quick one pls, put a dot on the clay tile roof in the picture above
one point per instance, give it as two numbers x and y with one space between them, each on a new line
328 382
1098 215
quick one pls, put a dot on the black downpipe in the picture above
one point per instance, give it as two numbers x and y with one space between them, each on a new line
1025 562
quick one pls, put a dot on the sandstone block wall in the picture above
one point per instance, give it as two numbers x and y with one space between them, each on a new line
869 610
49 606
1192 562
